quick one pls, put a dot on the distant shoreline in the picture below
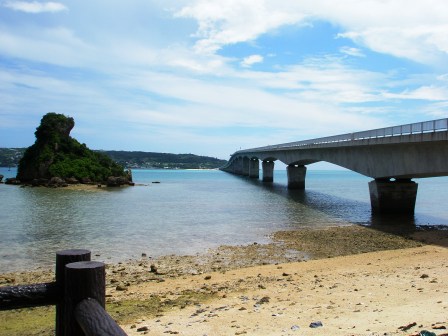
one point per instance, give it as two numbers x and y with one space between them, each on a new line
10 157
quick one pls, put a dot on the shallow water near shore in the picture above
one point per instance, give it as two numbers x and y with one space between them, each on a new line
187 212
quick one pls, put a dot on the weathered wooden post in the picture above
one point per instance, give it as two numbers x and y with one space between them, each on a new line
16 297
63 258
83 280
94 321
79 293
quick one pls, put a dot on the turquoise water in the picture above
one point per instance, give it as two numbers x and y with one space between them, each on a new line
187 212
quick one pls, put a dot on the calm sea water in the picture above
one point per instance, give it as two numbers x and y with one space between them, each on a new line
186 213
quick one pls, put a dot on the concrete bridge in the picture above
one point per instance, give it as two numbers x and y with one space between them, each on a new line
392 156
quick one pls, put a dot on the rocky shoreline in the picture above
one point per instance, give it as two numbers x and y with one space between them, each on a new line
57 182
142 292
287 246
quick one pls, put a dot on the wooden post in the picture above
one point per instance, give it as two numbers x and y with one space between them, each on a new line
86 279
63 258
95 321
16 297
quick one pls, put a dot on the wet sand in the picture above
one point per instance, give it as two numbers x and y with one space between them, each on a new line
343 281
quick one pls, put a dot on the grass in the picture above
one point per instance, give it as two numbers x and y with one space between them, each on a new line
41 320
27 321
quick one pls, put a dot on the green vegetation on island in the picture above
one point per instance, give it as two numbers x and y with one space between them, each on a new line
56 154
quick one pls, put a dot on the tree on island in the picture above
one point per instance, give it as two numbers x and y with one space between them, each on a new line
56 154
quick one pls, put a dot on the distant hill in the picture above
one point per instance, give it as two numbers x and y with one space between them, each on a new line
10 157
164 160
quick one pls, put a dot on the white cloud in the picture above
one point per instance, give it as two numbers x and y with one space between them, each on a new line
323 79
437 110
251 60
428 93
57 45
247 101
443 77
413 30
232 21
424 44
356 52
35 7
118 75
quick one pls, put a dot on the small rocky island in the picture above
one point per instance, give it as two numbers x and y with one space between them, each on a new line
56 159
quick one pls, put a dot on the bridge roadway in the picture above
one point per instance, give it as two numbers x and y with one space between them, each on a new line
392 156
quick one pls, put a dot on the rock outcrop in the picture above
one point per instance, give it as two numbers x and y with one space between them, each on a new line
12 180
113 181
56 159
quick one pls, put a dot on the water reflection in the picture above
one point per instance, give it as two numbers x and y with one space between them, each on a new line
54 220
188 212
336 210
346 208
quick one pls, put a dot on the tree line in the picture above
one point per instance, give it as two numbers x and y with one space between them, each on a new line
10 157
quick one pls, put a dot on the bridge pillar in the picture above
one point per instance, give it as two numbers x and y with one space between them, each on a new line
296 176
246 166
268 171
254 168
232 167
393 196
238 166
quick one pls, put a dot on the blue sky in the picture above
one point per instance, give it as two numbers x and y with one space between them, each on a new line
211 77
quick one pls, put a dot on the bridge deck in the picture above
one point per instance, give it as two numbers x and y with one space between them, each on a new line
416 132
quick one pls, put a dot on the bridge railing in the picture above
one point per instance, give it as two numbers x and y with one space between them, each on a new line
415 128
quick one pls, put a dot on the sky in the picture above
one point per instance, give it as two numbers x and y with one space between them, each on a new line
212 77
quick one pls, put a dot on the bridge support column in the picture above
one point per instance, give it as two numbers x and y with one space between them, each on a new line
246 166
268 171
230 168
393 196
238 166
296 176
254 168
233 167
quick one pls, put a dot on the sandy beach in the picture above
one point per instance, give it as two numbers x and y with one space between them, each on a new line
337 281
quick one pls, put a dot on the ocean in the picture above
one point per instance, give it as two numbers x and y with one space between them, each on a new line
188 212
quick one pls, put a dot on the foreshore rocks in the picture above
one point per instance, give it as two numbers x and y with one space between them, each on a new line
39 182
12 180
71 180
57 182
86 180
116 181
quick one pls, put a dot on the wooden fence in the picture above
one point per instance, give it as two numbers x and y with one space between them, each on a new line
79 294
